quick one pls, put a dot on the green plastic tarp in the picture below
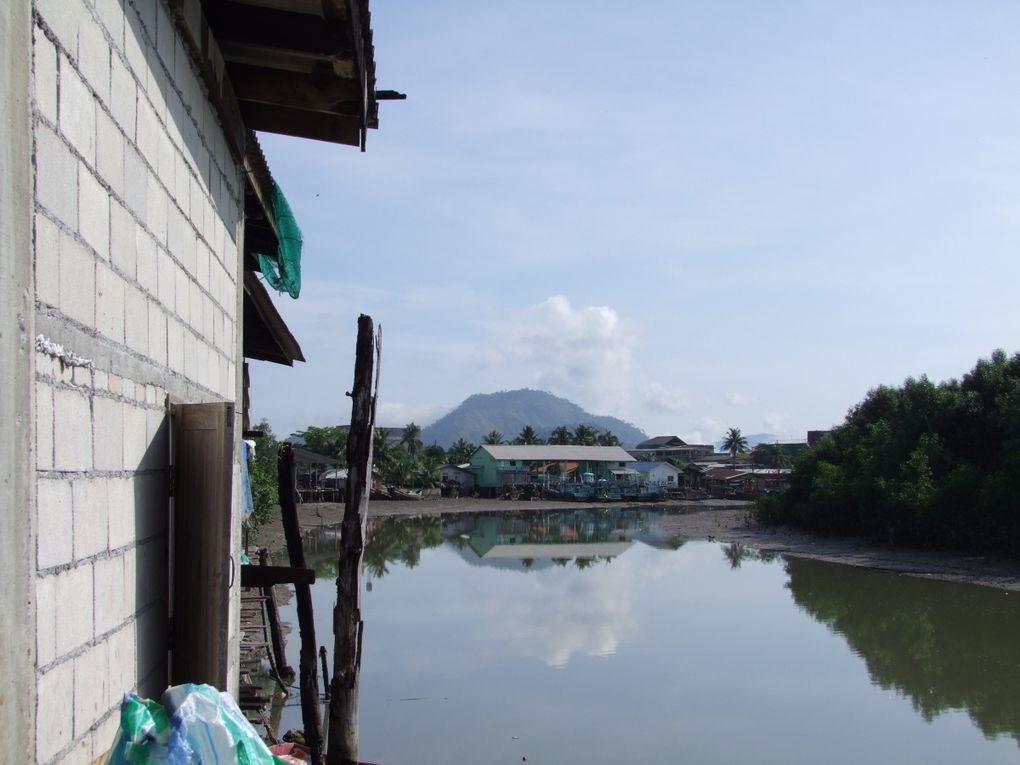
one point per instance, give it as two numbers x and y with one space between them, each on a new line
282 269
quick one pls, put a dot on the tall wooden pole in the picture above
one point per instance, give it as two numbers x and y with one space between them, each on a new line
347 624
307 672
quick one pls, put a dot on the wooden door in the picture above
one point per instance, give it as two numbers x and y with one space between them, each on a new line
202 566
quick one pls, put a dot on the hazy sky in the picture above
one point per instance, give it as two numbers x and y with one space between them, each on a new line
690 215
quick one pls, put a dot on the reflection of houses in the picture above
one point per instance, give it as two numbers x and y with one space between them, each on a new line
136 205
548 536
661 447
496 466
552 551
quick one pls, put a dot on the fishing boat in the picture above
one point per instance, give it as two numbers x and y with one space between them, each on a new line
397 492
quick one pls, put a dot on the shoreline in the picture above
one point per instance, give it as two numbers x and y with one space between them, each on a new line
723 521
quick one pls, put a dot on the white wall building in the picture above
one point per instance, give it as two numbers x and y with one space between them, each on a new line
127 288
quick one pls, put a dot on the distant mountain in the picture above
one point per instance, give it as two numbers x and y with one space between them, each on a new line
753 440
509 411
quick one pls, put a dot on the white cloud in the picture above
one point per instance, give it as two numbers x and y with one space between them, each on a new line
556 614
661 398
775 422
393 414
585 354
735 398
707 430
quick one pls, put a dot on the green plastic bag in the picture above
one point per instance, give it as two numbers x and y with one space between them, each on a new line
144 732
195 725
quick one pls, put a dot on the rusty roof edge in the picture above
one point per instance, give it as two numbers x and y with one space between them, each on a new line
260 178
271 317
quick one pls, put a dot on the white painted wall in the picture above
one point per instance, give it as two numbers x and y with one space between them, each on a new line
661 474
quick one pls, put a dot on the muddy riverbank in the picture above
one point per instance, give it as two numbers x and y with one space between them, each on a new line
720 521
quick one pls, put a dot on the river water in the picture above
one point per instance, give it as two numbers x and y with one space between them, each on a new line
596 637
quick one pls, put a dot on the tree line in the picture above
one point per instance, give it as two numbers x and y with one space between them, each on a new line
405 461
924 464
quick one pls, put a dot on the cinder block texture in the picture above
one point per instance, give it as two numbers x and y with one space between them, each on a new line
137 210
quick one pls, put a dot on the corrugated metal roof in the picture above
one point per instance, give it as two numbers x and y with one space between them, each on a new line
644 467
568 550
660 442
557 453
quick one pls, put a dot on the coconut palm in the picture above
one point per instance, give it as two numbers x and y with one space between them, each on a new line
428 472
382 450
411 438
561 435
461 452
585 435
493 438
608 438
527 436
435 451
400 470
734 442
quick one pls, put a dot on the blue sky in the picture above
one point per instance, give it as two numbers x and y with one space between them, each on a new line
690 215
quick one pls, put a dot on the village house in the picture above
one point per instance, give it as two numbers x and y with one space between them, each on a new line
459 476
663 447
134 208
497 466
664 474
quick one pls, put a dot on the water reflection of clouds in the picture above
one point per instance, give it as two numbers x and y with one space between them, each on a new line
558 613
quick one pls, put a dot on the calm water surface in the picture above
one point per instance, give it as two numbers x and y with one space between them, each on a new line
595 637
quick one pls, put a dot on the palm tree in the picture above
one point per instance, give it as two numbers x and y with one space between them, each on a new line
607 438
461 452
734 442
493 438
585 435
528 436
428 472
400 469
382 450
435 451
411 438
561 435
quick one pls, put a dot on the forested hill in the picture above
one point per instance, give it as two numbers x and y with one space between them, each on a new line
508 412
925 464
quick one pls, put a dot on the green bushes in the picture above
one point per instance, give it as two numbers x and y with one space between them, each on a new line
921 465
263 473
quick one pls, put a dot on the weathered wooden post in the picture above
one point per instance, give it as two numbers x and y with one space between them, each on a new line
307 673
347 624
275 630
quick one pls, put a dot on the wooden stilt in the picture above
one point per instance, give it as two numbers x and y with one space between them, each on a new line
275 629
347 624
307 671
325 669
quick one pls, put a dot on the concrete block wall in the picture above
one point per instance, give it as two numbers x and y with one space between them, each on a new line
137 213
